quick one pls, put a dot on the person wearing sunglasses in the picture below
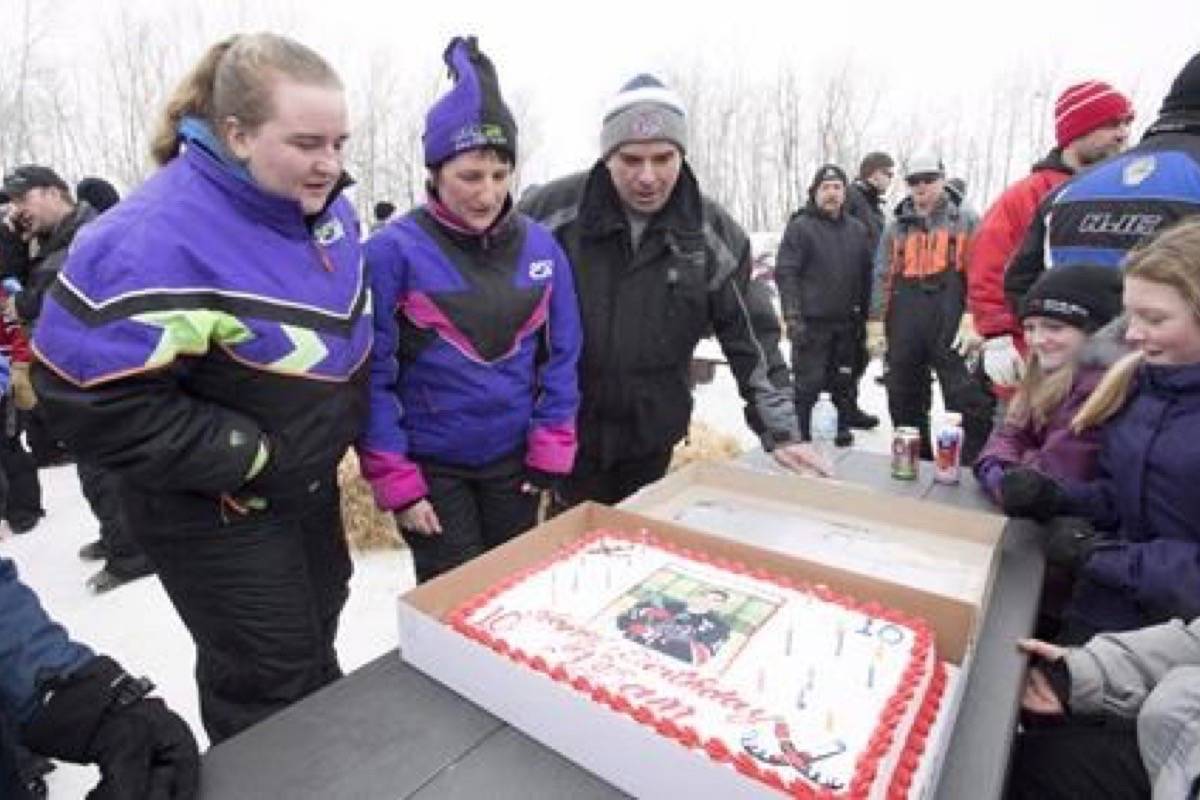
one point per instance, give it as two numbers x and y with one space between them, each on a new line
922 259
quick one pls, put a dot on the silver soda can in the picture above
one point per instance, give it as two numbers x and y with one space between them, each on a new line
906 454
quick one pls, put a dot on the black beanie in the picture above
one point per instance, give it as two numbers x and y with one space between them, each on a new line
826 172
873 162
1185 91
97 193
1087 296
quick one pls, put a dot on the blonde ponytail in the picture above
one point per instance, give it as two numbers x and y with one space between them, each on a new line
193 97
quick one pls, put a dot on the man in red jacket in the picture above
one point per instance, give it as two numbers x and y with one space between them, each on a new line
1091 123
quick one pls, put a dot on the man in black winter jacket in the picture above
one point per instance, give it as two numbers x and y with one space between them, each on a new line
864 201
865 196
823 271
45 207
657 265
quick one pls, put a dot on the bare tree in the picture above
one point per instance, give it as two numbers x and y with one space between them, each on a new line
135 84
385 153
24 89
790 161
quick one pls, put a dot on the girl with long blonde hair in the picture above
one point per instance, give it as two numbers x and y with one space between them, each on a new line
1143 565
1060 315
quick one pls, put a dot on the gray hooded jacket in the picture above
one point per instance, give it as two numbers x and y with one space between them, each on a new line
1154 674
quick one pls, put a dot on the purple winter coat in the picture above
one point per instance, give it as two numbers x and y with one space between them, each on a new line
1054 450
1145 497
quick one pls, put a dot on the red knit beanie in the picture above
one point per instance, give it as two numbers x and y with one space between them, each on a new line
1084 107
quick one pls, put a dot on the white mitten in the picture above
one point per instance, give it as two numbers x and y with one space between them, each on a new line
1002 362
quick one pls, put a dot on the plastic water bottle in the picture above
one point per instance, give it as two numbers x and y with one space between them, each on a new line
824 420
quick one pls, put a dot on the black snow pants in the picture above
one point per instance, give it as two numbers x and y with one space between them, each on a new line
922 321
22 490
478 508
260 591
102 489
824 358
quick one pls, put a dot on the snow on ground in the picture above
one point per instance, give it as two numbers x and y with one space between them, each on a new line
137 625
719 405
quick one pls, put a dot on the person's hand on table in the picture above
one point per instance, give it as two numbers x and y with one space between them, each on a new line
803 457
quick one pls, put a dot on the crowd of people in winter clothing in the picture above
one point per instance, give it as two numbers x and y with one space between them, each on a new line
209 347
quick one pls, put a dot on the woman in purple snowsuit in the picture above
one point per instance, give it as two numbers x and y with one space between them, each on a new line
207 341
473 373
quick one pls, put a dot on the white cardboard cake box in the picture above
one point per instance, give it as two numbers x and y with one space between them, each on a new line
932 546
629 755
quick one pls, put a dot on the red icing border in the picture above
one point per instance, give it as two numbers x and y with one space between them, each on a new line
879 742
918 736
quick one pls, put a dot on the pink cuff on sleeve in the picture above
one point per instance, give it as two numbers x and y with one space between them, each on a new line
551 448
395 481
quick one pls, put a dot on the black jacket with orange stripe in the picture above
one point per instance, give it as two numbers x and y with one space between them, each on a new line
925 249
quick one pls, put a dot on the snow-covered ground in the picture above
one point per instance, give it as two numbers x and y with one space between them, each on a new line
137 625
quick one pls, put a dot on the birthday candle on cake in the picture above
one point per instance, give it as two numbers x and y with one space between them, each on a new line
829 721
812 676
841 639
871 667
762 680
788 646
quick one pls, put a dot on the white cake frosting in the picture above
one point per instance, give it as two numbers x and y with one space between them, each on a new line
793 685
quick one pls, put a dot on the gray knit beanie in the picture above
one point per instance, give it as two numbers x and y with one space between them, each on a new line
644 111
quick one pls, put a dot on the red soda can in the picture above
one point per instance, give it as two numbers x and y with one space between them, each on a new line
948 449
906 453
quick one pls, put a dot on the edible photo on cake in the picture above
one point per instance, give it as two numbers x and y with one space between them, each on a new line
689 618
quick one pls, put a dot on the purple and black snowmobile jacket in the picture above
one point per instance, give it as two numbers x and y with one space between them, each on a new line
476 342
198 320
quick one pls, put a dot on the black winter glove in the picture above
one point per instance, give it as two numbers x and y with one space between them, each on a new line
101 715
1070 542
1026 492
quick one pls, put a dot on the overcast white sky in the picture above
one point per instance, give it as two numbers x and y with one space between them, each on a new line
568 57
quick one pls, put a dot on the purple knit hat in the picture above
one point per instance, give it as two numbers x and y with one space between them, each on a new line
472 114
